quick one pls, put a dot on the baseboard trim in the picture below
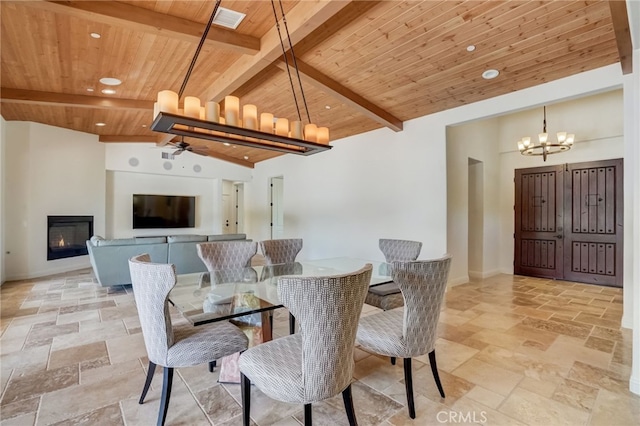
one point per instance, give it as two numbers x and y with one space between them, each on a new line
52 271
480 275
457 281
634 385
627 320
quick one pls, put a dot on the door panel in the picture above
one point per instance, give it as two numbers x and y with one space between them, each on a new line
538 251
277 212
568 222
594 224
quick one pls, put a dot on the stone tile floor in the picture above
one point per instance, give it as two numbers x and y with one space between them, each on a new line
512 351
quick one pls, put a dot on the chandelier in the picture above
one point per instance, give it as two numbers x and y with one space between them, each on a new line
222 122
545 147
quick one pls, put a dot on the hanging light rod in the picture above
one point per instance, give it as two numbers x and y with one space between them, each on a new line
222 122
217 132
544 146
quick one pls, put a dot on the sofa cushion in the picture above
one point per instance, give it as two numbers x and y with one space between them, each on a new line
118 242
186 238
227 237
150 240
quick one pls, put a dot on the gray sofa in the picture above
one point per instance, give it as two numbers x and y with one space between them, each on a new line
109 258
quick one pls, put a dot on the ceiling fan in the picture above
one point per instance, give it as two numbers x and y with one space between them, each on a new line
182 146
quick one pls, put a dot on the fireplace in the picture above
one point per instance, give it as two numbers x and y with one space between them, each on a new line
67 236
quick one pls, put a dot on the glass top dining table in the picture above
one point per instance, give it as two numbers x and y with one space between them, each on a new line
207 297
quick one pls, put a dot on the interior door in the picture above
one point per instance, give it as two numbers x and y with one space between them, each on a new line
228 210
593 223
538 222
277 212
568 222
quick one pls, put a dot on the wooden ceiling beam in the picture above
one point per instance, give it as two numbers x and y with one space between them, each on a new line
620 20
302 20
343 94
141 19
34 97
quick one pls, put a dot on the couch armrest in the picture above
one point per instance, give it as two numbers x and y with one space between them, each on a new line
111 263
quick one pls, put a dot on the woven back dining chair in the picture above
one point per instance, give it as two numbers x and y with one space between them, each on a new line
316 363
412 331
387 296
280 251
227 254
399 250
168 345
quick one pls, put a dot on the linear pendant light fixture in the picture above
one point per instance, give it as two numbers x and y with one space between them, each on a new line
544 146
222 122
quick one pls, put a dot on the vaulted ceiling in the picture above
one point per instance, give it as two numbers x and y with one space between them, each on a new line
364 64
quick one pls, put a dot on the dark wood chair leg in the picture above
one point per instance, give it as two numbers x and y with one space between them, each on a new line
434 370
271 323
393 360
292 324
307 415
151 370
212 366
166 395
245 390
408 381
348 406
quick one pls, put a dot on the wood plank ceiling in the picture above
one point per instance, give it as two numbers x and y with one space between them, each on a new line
364 64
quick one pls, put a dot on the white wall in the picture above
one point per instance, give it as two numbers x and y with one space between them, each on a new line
632 174
48 171
375 185
122 185
3 182
140 169
477 141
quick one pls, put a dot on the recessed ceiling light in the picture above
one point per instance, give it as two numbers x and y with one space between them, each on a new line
101 124
110 81
89 89
95 35
471 48
327 106
144 125
489 74
108 91
246 158
227 144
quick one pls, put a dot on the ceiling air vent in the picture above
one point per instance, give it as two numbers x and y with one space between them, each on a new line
228 18
167 156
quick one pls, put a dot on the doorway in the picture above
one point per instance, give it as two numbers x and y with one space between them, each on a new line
276 185
232 207
239 207
568 222
475 213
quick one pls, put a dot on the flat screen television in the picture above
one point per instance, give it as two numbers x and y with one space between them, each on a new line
163 211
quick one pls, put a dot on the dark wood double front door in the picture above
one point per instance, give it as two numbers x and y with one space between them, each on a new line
568 222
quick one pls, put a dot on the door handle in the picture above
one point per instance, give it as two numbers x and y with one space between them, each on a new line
559 236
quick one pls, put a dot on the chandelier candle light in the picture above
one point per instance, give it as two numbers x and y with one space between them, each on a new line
545 147
222 122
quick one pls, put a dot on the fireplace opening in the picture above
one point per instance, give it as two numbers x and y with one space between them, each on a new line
67 236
